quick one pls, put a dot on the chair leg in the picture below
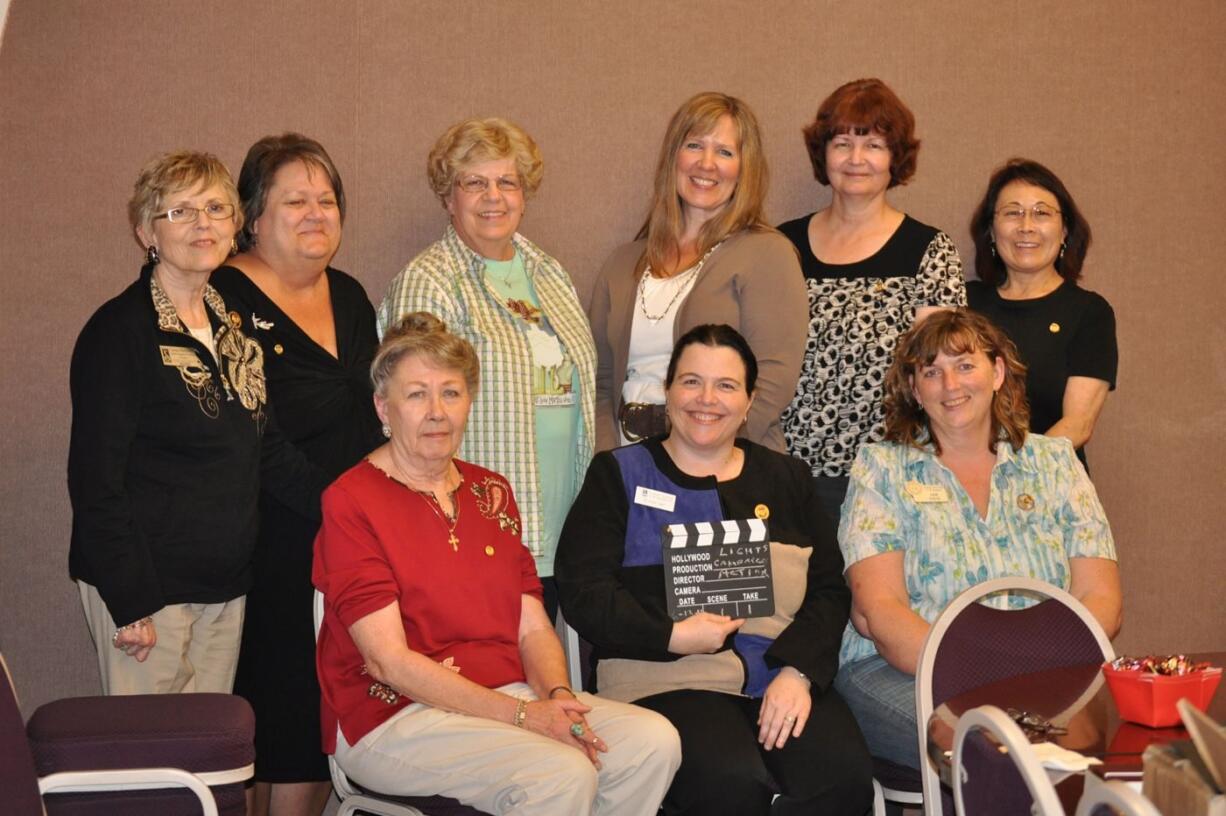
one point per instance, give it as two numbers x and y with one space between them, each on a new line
878 799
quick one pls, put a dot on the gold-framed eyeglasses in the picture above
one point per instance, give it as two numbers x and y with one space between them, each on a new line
1040 213
476 185
188 215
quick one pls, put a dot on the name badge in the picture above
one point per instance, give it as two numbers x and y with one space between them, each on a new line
180 357
554 400
926 494
654 498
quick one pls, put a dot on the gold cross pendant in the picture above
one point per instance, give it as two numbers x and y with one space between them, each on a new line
454 542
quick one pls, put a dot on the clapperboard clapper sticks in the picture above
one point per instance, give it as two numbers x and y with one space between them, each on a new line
721 567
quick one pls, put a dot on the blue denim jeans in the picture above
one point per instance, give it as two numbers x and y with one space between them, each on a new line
883 701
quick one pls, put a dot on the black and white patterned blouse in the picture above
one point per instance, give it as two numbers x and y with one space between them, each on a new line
856 313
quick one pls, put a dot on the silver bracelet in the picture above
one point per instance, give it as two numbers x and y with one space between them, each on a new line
143 621
521 713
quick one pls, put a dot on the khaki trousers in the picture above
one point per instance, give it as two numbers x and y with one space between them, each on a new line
501 769
196 650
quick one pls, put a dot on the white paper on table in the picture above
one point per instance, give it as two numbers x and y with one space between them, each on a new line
1054 758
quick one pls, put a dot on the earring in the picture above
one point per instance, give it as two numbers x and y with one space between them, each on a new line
1063 246
233 247
992 246
151 255
745 419
387 430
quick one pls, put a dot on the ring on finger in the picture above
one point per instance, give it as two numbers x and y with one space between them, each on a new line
789 719
577 729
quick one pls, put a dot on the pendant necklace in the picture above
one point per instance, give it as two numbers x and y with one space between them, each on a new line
692 272
449 522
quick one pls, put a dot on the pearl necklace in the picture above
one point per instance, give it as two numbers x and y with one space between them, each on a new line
693 272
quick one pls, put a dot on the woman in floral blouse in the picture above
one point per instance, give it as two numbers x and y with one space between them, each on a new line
959 494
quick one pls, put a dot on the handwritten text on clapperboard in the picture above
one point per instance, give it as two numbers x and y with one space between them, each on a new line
721 567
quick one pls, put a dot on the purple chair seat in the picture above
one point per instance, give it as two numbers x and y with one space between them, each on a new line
897 777
430 805
211 734
231 800
200 733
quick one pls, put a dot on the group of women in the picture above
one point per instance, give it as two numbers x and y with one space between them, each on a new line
216 397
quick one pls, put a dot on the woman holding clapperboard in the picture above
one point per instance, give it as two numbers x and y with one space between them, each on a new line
751 698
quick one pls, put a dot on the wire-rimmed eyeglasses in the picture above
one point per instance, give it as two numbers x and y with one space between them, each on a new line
1039 213
475 185
188 215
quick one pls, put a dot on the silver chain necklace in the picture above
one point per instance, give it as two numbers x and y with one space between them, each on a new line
681 290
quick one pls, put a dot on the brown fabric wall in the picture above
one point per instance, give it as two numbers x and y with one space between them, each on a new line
1123 99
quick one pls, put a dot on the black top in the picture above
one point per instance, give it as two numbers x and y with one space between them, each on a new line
623 611
167 453
856 313
1068 332
323 402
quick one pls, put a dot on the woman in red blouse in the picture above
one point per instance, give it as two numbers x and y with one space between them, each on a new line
441 673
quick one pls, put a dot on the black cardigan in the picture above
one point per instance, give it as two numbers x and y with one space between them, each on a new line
623 611
166 455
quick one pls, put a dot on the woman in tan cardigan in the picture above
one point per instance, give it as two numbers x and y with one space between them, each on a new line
704 255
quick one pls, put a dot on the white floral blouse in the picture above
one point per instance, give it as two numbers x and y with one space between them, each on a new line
1042 511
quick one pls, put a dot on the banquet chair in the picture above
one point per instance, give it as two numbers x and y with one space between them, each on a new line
971 645
984 782
355 799
1113 798
162 754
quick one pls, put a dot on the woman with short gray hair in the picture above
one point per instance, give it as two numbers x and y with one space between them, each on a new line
171 439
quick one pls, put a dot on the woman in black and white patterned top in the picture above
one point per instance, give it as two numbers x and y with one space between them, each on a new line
871 272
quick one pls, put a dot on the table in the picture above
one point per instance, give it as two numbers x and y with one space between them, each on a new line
1077 698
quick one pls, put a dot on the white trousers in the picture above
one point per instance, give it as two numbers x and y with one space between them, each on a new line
196 650
501 769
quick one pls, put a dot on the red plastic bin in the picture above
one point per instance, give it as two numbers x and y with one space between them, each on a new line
1149 699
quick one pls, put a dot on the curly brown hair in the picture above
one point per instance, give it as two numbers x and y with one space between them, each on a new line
954 331
863 106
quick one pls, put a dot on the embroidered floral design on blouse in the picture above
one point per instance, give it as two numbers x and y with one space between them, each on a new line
523 310
493 498
381 691
243 371
244 368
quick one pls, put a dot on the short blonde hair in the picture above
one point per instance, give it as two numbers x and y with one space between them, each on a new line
954 331
171 172
421 333
480 140
698 116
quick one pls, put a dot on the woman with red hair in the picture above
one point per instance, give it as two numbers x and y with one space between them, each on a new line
871 270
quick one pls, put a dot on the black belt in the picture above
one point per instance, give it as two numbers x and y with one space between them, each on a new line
640 420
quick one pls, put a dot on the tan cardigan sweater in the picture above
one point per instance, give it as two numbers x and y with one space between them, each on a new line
753 283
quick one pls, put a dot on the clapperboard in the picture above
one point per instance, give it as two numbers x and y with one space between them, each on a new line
721 567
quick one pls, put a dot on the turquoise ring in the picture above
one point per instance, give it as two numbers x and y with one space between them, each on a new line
577 729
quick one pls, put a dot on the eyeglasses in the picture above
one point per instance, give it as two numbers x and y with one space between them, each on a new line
1041 214
188 215
476 185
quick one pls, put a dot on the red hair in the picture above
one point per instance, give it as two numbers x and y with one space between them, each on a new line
863 106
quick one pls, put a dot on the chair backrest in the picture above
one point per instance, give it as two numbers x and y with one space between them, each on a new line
1113 798
985 780
18 779
971 645
344 789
